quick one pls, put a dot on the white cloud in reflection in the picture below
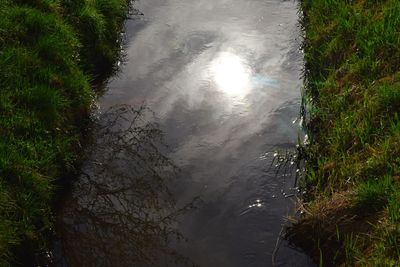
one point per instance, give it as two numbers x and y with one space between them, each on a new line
231 74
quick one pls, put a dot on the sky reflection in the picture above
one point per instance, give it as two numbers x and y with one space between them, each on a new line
222 79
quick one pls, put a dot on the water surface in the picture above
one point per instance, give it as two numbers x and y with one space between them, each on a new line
221 80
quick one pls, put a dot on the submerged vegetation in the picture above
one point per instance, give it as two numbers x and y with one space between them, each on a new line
352 54
51 52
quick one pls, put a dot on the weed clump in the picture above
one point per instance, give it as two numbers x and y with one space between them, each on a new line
46 74
352 54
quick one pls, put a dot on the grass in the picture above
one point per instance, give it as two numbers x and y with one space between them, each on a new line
352 72
51 52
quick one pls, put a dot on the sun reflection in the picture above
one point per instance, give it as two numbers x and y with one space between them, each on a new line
231 74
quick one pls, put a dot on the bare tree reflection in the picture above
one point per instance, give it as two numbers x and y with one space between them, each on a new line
121 212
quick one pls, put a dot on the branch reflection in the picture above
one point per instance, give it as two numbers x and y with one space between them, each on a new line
121 212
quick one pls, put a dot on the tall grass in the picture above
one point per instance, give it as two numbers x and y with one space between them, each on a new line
352 53
49 55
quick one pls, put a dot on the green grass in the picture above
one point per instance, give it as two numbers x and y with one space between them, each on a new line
352 54
374 195
51 51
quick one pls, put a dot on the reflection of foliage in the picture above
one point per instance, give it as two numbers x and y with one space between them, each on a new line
122 211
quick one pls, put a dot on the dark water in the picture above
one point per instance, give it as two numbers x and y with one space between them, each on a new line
182 162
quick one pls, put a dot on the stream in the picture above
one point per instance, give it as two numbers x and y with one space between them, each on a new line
183 167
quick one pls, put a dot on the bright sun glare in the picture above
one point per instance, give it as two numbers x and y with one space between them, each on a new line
231 74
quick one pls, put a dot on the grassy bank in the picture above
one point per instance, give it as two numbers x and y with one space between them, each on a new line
50 54
352 53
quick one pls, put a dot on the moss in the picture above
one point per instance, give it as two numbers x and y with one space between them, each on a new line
46 74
